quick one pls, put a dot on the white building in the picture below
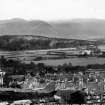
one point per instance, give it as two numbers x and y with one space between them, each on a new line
88 52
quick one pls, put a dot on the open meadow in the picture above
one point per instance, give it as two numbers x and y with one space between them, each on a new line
31 55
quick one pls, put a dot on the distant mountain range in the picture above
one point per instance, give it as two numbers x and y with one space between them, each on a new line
72 29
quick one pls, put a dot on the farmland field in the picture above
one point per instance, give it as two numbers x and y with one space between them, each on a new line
74 61
28 56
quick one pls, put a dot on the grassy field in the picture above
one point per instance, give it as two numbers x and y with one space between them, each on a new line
28 56
74 61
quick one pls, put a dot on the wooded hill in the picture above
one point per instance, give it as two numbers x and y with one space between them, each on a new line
32 42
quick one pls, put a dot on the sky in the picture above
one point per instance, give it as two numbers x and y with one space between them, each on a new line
50 10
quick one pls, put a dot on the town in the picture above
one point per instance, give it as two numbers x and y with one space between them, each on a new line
52 84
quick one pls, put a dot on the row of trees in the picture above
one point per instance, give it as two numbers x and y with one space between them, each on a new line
23 44
15 67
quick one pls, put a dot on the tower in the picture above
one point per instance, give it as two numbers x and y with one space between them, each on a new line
2 73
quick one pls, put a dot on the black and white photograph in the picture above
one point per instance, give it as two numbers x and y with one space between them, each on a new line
52 52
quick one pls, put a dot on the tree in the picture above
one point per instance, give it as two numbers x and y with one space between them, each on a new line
78 97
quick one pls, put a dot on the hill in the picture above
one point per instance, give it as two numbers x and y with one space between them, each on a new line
23 27
72 29
81 28
32 42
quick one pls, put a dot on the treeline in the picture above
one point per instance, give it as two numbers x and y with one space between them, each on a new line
14 43
15 67
23 44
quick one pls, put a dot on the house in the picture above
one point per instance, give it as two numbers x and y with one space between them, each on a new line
101 47
92 87
87 52
95 71
16 81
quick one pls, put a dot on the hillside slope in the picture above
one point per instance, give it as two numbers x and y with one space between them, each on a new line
72 29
